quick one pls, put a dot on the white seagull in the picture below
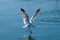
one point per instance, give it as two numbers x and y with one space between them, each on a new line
26 21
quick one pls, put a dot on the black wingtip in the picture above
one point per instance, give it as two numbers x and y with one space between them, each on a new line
22 10
38 10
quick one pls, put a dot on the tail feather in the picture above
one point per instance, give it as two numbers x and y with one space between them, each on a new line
25 26
29 26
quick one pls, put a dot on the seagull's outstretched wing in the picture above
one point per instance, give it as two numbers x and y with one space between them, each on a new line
34 15
25 17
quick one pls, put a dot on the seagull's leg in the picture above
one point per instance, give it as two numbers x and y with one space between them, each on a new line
29 30
33 25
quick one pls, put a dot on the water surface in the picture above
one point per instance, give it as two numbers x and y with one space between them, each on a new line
47 23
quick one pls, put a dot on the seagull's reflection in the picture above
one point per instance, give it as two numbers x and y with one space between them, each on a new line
28 37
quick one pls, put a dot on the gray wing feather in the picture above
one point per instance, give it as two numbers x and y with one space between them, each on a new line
25 16
34 15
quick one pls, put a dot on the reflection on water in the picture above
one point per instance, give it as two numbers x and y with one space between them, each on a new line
47 23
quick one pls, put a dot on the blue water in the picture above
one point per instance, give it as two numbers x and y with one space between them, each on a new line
47 23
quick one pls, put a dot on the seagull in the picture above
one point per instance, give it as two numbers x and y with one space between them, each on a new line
28 23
